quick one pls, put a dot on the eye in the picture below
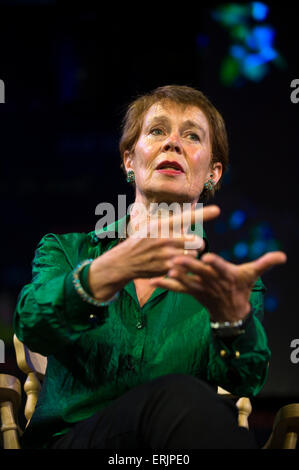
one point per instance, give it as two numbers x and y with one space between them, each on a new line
156 131
193 136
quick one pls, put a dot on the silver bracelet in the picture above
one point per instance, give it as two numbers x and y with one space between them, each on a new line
83 294
226 329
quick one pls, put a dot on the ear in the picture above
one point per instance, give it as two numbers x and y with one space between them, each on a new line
128 160
216 170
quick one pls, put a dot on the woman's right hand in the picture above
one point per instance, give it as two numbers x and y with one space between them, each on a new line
138 257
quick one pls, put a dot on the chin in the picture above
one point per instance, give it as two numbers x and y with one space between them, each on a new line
169 193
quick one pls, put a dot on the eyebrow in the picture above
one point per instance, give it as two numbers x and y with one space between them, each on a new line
186 124
190 123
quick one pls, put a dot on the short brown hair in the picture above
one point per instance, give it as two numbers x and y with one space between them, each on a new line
184 95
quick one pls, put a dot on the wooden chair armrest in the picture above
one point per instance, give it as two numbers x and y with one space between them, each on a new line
285 428
10 399
243 404
225 393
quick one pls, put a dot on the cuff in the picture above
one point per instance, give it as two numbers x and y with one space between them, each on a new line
77 310
84 279
231 347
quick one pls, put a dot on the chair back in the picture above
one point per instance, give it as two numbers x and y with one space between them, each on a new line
10 400
34 365
285 429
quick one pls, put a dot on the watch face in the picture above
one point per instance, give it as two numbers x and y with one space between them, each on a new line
229 332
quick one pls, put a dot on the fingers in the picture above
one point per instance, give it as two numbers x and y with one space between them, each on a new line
192 253
268 260
184 219
195 266
187 242
171 223
210 212
256 267
167 224
192 216
220 265
167 283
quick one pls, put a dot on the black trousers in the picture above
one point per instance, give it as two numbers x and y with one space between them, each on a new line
174 411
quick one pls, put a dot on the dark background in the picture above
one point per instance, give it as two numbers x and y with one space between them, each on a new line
69 72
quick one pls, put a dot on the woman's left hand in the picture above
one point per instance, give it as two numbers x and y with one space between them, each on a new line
222 287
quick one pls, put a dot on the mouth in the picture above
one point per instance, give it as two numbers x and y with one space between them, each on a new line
170 167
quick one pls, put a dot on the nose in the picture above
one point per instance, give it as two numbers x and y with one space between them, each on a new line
172 144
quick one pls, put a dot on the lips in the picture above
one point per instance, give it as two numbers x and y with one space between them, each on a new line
170 165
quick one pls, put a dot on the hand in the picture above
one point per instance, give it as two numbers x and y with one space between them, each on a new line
144 257
222 287
163 223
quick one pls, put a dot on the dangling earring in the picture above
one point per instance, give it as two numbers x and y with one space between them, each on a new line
209 184
130 176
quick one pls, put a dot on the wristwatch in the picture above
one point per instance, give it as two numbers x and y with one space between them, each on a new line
227 329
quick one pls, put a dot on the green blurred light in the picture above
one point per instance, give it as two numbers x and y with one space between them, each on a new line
225 254
229 71
240 33
231 14
280 62
274 245
258 248
253 45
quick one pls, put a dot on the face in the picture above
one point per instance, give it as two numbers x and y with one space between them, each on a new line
172 157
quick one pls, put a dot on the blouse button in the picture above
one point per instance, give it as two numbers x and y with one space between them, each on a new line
94 240
139 325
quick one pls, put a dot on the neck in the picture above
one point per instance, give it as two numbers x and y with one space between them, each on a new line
145 208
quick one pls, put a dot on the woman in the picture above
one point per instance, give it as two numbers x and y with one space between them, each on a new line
139 334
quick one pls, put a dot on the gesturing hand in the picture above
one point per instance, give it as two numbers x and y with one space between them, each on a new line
145 255
142 256
222 287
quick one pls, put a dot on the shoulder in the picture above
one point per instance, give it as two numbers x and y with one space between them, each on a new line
65 239
73 246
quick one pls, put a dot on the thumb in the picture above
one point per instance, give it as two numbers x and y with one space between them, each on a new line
269 260
205 213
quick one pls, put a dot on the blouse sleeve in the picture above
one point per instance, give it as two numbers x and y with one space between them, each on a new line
50 314
240 366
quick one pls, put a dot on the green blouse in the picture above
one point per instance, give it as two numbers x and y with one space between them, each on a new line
95 354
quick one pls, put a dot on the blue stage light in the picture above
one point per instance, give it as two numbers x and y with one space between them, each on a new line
258 248
252 45
237 219
264 231
254 67
259 11
268 54
238 52
252 61
226 255
270 303
263 36
202 40
241 250
220 226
